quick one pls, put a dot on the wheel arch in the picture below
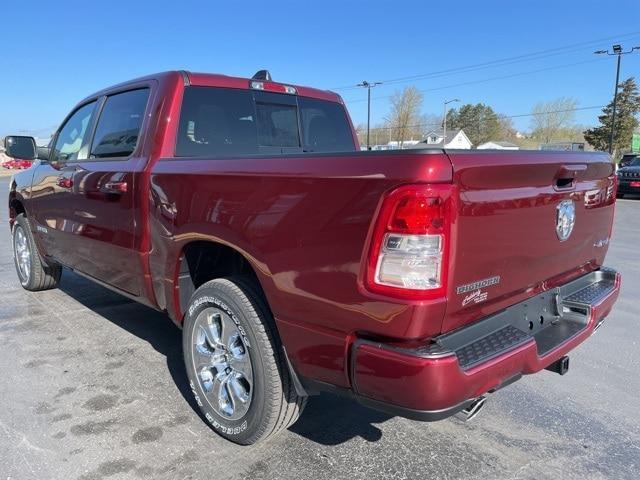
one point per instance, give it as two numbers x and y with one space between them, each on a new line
16 207
201 260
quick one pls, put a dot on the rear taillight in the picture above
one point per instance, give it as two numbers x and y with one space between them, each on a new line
409 243
612 188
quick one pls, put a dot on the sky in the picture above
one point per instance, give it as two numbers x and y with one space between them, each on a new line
507 54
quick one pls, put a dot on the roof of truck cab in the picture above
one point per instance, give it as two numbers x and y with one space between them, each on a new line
218 80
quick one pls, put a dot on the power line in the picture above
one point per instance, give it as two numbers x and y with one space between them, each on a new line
501 77
552 111
501 62
420 125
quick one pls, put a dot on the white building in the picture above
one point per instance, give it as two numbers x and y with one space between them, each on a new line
455 139
395 144
498 146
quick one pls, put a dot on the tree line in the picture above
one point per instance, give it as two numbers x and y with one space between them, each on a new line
551 121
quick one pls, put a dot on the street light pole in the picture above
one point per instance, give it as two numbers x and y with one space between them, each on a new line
617 50
368 86
615 100
444 120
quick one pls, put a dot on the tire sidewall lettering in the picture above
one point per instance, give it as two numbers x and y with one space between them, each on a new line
223 306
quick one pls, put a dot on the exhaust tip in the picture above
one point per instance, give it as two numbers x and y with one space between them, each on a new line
472 410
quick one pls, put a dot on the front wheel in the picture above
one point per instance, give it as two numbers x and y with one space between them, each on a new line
235 363
33 273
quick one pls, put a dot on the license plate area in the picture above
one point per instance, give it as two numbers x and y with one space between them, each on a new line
550 319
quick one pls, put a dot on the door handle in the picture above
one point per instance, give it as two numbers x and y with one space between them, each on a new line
115 187
64 182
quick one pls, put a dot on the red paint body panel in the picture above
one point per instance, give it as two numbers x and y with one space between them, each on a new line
506 225
304 223
305 246
211 80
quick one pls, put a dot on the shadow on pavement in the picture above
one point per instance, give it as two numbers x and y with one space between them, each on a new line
145 323
327 419
332 420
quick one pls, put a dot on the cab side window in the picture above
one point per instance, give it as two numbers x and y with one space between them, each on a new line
71 137
119 124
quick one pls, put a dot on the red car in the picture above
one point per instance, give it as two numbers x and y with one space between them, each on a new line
16 164
415 281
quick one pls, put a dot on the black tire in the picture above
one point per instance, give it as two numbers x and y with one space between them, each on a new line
620 195
39 275
274 404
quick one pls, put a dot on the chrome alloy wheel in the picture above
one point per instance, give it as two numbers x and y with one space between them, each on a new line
222 364
22 253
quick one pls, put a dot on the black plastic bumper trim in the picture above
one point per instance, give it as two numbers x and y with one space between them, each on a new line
411 414
314 387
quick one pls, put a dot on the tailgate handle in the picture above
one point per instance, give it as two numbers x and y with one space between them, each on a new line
567 174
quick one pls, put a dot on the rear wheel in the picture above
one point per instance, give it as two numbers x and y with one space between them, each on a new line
235 363
33 273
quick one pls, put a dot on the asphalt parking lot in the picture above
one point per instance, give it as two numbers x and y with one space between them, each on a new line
92 387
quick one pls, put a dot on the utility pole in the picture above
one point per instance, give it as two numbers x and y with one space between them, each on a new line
617 51
368 86
444 120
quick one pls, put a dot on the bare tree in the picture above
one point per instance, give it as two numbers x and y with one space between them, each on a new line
553 119
380 134
507 128
427 123
405 114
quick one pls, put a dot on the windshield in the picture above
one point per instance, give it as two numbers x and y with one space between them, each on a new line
633 163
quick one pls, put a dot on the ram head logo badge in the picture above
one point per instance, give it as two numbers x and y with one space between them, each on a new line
565 219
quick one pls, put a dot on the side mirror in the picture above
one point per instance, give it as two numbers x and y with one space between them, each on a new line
20 147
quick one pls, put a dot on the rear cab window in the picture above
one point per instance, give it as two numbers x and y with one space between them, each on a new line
218 121
325 126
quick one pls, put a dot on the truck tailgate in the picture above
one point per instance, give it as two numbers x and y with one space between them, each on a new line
504 241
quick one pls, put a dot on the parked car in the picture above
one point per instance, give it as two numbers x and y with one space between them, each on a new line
415 281
629 177
16 164
627 158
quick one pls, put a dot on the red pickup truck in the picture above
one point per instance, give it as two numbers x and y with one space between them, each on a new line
414 281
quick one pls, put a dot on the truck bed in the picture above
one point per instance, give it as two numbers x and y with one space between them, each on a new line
304 221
